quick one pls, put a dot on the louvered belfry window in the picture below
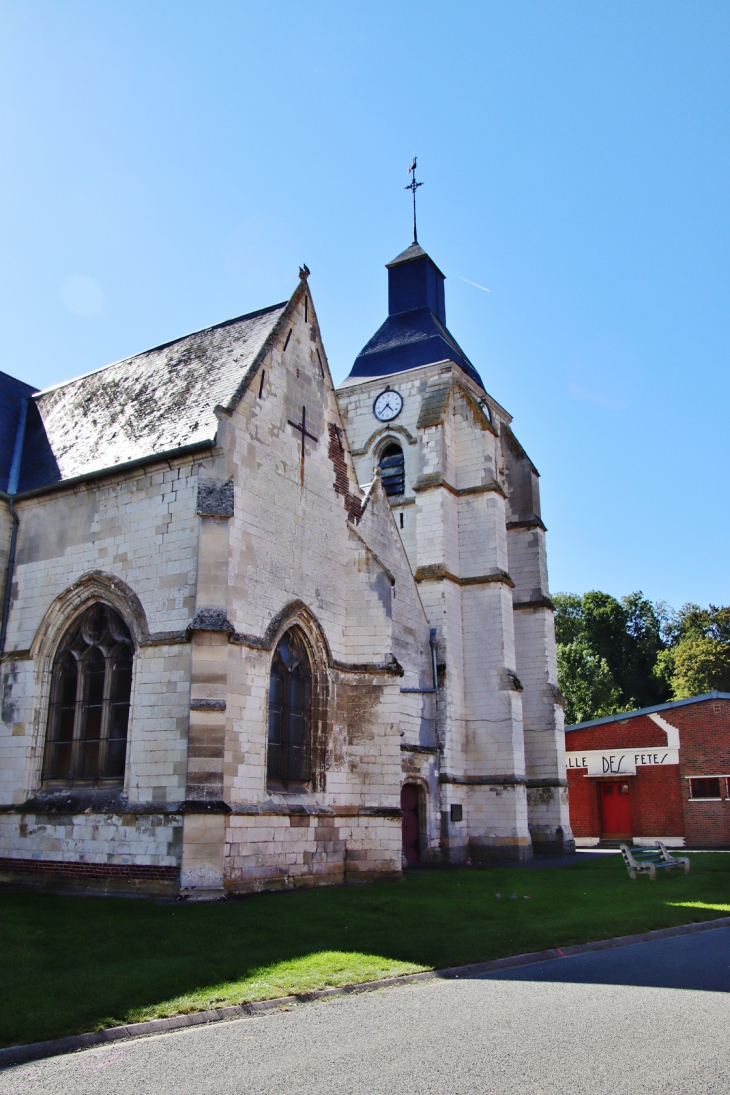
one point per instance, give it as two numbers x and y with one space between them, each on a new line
86 742
392 469
290 703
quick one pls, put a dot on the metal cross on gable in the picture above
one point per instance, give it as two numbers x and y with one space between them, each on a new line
302 427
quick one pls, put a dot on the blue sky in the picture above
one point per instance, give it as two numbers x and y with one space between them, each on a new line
168 165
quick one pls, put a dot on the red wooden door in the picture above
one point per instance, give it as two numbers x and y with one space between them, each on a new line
616 809
409 806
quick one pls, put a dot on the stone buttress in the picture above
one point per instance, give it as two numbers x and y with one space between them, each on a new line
542 708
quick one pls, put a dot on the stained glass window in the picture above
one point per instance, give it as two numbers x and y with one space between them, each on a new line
88 718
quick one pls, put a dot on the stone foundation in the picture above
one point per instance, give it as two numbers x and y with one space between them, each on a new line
89 878
94 853
274 852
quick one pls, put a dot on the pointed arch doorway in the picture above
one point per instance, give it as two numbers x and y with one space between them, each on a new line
410 805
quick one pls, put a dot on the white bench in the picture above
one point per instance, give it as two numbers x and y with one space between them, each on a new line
650 859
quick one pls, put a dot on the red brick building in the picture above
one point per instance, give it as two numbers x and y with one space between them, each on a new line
659 773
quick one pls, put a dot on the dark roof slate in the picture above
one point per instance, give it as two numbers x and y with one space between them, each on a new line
153 403
12 394
407 340
415 251
415 332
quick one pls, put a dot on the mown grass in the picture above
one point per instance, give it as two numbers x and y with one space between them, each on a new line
72 964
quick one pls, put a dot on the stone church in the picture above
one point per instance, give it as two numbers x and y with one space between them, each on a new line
259 632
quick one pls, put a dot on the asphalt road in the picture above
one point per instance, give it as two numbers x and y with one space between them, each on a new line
653 1017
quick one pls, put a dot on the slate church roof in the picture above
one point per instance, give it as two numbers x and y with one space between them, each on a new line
415 332
151 404
12 394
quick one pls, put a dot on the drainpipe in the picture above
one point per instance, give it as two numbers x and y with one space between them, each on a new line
9 576
13 478
429 691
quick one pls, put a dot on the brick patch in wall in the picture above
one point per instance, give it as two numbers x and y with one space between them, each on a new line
336 454
124 872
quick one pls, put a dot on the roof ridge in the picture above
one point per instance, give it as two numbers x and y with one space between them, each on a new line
162 346
17 380
621 716
373 347
450 338
412 252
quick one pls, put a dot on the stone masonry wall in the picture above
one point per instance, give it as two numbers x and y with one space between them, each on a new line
280 851
454 532
6 525
127 839
130 540
301 551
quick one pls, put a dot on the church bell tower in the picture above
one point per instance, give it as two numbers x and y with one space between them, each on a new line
465 498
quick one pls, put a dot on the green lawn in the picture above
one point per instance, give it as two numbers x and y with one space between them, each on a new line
73 964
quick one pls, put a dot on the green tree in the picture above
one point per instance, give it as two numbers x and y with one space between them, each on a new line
645 626
627 635
586 682
568 617
605 630
694 622
696 665
620 655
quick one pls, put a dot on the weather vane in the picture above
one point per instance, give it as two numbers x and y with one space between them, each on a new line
413 187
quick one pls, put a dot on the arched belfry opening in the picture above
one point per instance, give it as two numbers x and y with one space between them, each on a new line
393 469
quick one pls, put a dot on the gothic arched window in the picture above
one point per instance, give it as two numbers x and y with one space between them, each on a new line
86 742
290 711
393 469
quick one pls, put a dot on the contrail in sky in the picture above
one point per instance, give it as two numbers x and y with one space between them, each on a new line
474 283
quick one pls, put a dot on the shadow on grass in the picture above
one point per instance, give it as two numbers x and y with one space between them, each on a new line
695 962
80 963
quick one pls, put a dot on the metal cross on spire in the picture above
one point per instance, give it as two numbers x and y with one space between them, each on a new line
413 187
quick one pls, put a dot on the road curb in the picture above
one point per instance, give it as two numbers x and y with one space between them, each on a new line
18 1055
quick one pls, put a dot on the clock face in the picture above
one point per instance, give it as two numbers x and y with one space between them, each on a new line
388 405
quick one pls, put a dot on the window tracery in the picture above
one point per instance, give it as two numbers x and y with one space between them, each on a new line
88 718
290 712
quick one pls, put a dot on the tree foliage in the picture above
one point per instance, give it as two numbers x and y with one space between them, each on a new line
696 665
620 655
693 622
587 684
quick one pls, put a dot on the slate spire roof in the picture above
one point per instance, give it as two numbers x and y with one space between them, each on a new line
415 332
151 404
